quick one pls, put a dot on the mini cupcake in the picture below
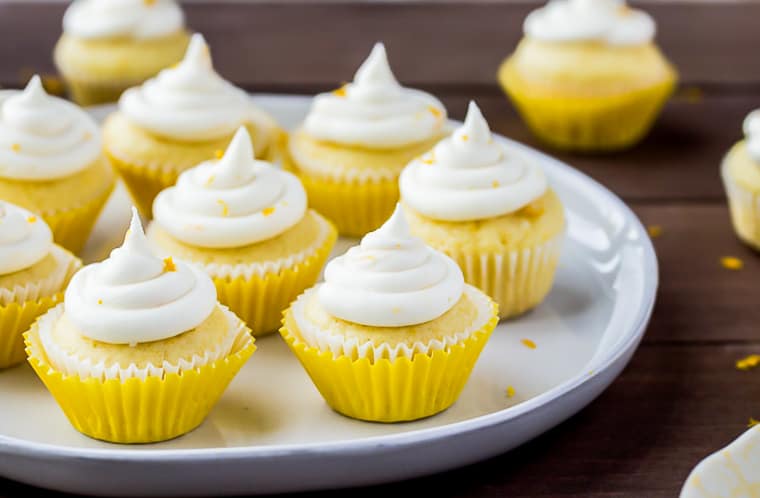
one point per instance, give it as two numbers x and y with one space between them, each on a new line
182 117
741 177
108 46
490 210
587 75
33 274
51 162
356 140
140 350
246 224
394 332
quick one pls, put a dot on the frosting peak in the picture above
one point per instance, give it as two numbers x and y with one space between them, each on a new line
608 21
135 297
391 279
44 137
470 176
117 18
752 134
375 110
231 202
24 239
189 101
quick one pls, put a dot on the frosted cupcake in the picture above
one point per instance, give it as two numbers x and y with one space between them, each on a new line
184 116
394 332
33 273
245 222
741 177
490 210
140 350
356 140
587 75
108 46
51 162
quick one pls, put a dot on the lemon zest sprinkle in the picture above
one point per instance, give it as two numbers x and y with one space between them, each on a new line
654 231
225 207
528 343
16 147
267 211
32 219
510 391
169 265
753 422
748 362
731 263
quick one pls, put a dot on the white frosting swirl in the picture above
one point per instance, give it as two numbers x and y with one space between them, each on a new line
24 238
752 134
470 176
608 21
189 101
231 202
375 110
140 19
134 297
391 279
44 137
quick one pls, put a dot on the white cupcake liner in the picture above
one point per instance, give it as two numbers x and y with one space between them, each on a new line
744 206
339 345
66 265
71 364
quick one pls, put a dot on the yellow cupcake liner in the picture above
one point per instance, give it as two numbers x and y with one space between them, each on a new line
260 298
144 182
15 319
590 123
134 410
390 391
744 206
89 93
354 206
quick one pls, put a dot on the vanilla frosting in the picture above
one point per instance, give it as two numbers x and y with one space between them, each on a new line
140 19
189 101
24 239
135 297
231 202
375 110
470 176
752 134
391 279
44 137
608 21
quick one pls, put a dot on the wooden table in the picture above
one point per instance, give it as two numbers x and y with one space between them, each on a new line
681 398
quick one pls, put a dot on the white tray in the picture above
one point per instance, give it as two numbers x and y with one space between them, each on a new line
272 432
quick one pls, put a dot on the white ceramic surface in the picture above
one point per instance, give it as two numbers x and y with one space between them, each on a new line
272 432
732 472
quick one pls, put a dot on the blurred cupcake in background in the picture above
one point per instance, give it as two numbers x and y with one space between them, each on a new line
51 162
33 274
182 117
108 46
490 210
741 177
245 222
587 75
356 140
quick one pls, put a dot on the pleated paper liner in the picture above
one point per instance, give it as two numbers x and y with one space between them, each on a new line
89 93
134 410
390 391
744 206
595 123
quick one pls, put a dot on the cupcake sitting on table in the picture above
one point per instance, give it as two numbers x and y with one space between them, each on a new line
587 75
51 162
140 350
108 46
182 117
394 332
245 222
356 140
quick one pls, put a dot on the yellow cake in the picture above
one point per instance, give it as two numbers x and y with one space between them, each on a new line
245 222
587 75
490 210
394 332
51 162
33 274
140 350
153 136
107 47
741 177
356 140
